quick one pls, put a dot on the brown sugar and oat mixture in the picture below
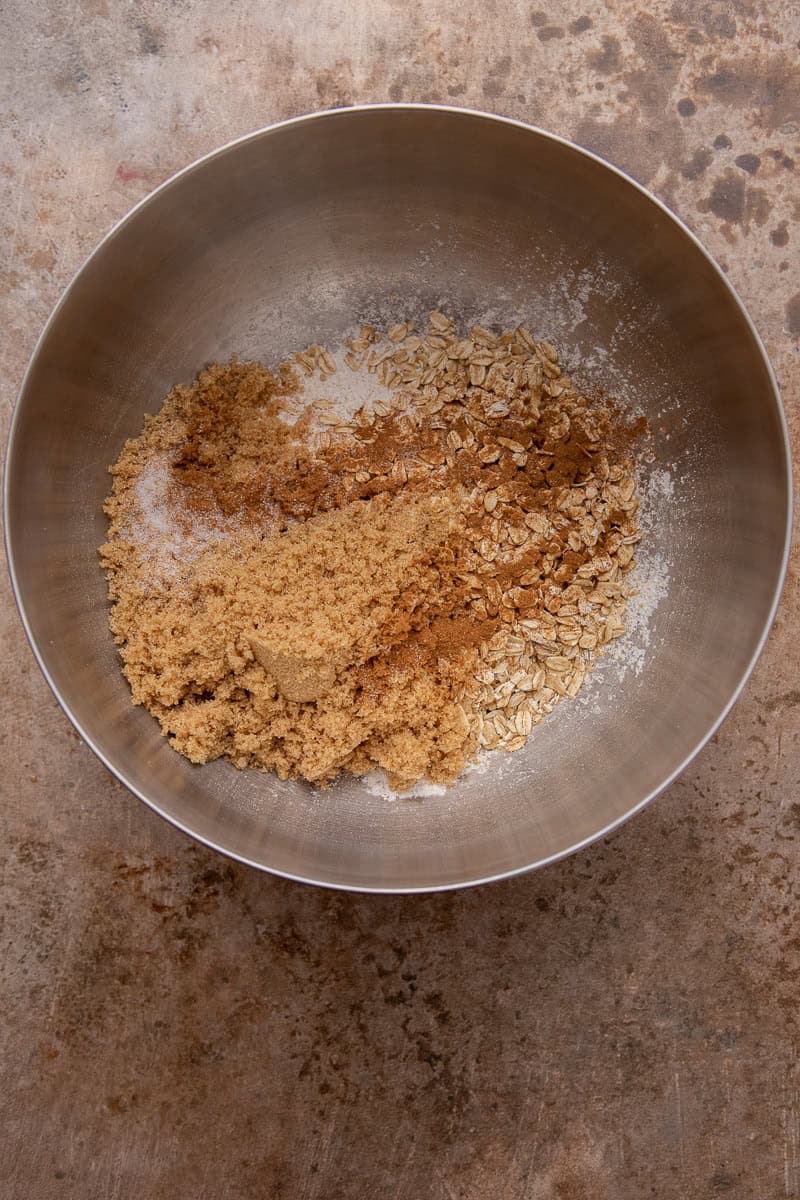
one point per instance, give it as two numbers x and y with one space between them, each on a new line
310 592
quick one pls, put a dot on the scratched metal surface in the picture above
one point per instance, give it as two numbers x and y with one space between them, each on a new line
621 1025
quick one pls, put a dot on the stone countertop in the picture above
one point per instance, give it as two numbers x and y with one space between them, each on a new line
621 1025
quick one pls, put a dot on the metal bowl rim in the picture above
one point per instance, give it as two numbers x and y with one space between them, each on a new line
329 114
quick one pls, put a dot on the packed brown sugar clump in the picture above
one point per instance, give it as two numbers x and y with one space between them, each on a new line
392 558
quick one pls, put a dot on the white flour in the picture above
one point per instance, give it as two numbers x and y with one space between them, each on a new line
376 784
168 544
341 394
651 578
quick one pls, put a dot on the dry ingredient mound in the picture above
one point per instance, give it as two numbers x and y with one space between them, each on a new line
392 557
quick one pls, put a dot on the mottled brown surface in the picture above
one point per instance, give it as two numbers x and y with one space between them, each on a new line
623 1025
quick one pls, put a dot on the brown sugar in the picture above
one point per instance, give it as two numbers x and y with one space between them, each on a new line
335 591
397 589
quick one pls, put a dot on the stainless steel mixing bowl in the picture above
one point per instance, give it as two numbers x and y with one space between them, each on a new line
286 237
